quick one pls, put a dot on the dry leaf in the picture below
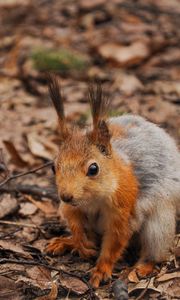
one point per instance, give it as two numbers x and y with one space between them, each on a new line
177 252
9 289
170 288
27 209
133 276
143 284
8 245
8 205
40 276
37 148
74 284
128 84
52 295
125 55
168 276
91 4
46 206
15 155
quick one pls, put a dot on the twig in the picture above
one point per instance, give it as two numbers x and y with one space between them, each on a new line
173 270
33 190
34 263
144 291
19 224
10 177
9 234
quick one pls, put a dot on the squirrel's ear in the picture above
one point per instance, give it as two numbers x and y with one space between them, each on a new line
100 134
57 100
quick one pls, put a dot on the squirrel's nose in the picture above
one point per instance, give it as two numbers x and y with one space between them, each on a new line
66 198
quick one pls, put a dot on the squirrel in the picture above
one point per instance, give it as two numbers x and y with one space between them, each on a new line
120 177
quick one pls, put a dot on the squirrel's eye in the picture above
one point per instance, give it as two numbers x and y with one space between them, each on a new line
93 170
53 169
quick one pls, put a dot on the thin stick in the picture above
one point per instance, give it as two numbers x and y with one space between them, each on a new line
144 291
19 224
34 263
10 177
33 190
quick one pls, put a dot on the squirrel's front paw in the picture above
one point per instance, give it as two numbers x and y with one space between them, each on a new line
86 252
85 249
102 272
58 246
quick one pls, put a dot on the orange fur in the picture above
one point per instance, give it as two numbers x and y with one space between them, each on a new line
118 232
76 219
102 204
144 269
116 131
119 201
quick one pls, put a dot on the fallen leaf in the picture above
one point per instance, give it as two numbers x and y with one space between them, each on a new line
177 252
171 288
16 157
46 206
74 284
27 209
168 276
14 247
133 276
37 148
40 276
91 4
8 205
52 295
10 3
128 84
125 55
9 289
143 284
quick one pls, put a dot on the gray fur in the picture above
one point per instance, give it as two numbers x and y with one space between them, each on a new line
156 163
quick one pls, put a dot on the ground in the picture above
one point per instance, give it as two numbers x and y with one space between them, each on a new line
132 48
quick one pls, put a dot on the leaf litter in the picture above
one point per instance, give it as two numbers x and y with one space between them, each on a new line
133 48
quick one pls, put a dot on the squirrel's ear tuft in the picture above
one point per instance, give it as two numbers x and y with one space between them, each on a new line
99 103
100 134
57 100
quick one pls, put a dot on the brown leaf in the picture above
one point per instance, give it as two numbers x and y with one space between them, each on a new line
15 155
143 284
40 276
27 209
52 295
168 276
128 84
125 55
74 284
91 4
133 276
9 289
8 205
8 245
177 252
45 206
37 148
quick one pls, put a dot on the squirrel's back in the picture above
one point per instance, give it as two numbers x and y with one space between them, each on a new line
153 155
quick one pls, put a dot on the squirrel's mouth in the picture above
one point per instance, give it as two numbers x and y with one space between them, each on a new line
74 204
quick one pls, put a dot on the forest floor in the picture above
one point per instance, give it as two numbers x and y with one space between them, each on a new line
132 47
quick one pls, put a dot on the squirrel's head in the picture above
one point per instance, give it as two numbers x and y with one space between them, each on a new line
84 168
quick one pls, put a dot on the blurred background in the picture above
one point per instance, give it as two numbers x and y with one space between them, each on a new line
132 47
